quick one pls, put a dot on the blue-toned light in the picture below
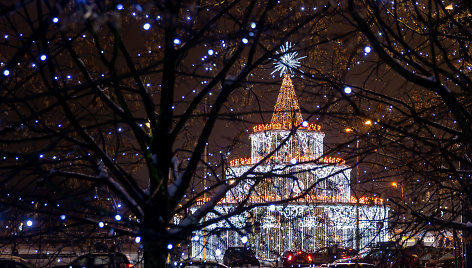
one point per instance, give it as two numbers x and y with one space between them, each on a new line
367 49
29 223
6 72
177 41
169 246
305 123
146 26
118 217
119 6
245 40
43 57
253 25
244 239
63 217
348 90
101 224
272 208
137 239
210 52
55 19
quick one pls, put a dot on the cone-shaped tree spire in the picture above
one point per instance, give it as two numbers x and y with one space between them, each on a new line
287 111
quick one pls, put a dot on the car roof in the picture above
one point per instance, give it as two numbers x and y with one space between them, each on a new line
352 264
200 261
210 262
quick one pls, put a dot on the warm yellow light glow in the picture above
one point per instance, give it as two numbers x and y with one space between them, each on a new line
394 184
368 122
348 129
308 199
287 159
287 126
286 109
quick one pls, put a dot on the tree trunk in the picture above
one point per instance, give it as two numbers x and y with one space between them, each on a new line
154 252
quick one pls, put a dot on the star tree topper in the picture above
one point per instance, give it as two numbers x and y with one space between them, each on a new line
288 60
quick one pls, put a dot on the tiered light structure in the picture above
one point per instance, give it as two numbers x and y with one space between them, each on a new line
287 163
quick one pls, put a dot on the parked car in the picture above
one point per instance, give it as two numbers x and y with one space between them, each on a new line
240 256
297 259
448 260
100 260
383 257
330 254
9 261
200 264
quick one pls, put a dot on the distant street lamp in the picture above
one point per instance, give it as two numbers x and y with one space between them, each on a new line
395 184
367 122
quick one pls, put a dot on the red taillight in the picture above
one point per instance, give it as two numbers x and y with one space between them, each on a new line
310 259
299 252
290 257
130 265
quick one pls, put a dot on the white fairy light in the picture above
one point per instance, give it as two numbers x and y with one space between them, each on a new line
288 60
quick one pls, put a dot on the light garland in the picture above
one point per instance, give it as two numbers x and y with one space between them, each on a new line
284 126
286 110
364 200
300 159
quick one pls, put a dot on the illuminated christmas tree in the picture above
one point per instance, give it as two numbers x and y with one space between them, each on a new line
301 197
